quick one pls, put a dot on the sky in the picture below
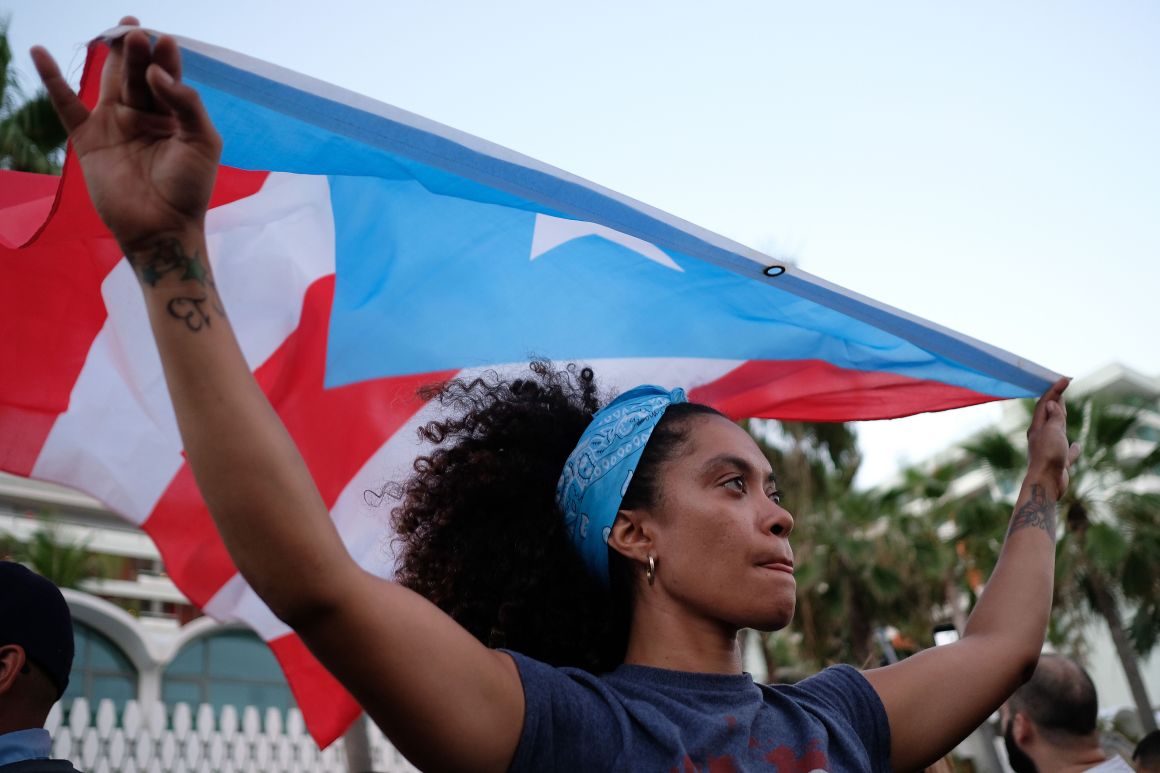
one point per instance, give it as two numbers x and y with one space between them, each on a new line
991 166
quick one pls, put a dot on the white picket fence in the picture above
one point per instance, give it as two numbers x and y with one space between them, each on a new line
178 739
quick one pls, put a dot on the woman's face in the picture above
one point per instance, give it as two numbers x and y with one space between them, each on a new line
721 538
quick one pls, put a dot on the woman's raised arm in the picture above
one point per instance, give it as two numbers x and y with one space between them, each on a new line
937 697
149 154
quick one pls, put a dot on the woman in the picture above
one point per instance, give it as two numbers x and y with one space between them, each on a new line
659 520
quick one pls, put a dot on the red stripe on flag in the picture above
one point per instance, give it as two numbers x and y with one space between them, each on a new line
368 414
22 435
51 309
72 214
50 312
21 187
186 538
25 201
327 708
50 300
814 390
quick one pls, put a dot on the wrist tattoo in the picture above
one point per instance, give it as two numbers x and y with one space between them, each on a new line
166 257
1036 512
191 310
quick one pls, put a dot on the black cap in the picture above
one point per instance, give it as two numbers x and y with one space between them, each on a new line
33 614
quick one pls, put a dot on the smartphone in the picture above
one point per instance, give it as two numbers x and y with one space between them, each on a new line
945 633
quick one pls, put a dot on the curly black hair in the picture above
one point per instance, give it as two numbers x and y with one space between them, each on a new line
478 529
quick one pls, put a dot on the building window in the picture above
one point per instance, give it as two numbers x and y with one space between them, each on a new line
232 668
100 670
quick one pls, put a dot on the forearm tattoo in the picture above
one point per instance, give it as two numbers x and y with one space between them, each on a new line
168 258
190 310
1037 512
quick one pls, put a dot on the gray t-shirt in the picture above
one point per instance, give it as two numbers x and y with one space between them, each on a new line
651 719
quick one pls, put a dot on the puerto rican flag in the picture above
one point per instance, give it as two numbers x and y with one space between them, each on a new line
362 252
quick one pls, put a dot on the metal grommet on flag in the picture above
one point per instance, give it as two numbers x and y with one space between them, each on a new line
773 270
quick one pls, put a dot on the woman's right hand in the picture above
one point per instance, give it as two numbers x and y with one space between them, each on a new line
148 149
1049 456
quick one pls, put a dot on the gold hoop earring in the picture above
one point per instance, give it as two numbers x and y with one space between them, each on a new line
650 571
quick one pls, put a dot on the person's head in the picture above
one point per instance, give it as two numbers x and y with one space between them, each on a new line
482 535
1146 757
702 508
36 647
1052 716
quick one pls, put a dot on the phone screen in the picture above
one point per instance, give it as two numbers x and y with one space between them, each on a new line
945 636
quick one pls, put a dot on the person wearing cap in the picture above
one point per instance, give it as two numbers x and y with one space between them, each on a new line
36 653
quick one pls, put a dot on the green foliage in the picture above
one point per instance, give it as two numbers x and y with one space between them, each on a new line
1114 528
995 450
1105 545
862 563
1110 532
980 527
917 554
1137 571
885 583
48 554
32 138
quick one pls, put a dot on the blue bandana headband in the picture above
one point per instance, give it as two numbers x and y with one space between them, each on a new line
599 469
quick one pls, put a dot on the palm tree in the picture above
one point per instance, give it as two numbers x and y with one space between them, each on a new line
48 554
806 458
855 551
855 577
1111 535
926 509
32 138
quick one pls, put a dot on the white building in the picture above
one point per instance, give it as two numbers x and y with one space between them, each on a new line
155 685
137 636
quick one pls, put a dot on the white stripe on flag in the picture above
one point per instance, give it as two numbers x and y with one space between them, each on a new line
236 602
118 440
266 250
